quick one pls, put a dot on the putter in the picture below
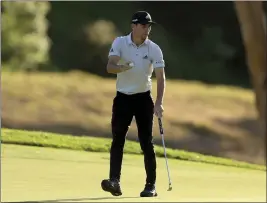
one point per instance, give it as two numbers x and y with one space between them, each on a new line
162 136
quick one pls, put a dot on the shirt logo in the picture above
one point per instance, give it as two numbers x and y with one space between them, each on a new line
145 57
159 62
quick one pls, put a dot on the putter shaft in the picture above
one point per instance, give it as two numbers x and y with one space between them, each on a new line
166 160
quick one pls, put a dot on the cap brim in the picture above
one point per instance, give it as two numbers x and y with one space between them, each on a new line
148 22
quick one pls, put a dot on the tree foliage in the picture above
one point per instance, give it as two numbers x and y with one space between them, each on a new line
25 44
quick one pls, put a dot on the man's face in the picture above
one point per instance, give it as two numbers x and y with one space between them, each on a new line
141 30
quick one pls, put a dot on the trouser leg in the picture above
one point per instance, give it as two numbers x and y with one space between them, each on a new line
144 112
122 115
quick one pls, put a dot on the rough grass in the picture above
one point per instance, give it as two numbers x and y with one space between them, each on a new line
214 120
43 139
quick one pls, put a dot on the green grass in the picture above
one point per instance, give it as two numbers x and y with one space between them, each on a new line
44 139
39 174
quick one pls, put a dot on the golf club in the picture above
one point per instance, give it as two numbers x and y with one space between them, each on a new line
162 136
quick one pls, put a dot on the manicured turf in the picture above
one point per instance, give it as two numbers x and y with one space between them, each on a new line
42 174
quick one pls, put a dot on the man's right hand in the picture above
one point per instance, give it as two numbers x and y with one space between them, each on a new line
117 65
125 67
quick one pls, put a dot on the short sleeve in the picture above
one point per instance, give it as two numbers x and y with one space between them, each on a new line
115 49
157 57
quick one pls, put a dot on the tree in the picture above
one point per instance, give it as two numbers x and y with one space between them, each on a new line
252 21
25 43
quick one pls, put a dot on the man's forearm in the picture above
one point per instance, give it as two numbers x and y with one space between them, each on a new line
160 90
114 68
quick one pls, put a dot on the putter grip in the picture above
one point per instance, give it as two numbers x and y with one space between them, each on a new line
160 126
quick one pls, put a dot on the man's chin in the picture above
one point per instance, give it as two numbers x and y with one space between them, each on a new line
145 37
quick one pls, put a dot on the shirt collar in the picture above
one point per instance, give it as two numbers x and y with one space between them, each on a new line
129 40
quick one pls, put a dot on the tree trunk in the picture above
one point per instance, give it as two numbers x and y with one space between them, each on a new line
252 22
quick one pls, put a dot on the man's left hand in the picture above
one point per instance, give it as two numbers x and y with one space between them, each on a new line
158 109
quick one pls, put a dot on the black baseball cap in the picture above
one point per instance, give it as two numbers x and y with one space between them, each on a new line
142 17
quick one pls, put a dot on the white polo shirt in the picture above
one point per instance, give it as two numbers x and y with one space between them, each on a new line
145 58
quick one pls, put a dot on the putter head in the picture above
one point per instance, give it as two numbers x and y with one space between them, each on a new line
170 188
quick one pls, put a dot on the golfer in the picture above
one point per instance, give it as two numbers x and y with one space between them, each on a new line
133 98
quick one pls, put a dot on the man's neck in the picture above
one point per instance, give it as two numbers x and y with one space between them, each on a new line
137 41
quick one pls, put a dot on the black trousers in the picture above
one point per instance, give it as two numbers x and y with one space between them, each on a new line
124 108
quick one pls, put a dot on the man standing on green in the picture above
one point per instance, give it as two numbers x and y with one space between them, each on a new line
134 98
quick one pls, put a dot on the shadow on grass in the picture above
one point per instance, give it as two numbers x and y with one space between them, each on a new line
206 140
59 128
250 125
76 199
209 141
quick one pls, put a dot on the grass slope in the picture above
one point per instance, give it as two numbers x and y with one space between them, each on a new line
44 139
216 120
38 174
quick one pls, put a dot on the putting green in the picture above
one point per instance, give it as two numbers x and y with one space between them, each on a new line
55 175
